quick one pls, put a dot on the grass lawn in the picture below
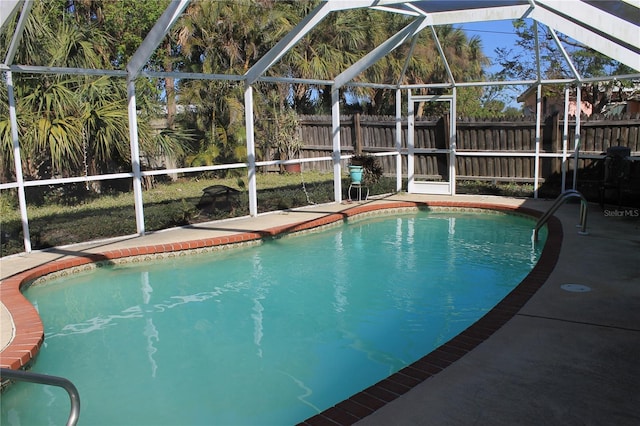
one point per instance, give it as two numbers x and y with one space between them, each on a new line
60 216
66 215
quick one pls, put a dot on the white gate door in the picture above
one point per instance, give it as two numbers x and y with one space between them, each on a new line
428 154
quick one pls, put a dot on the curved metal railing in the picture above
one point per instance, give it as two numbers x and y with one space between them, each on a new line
43 379
562 198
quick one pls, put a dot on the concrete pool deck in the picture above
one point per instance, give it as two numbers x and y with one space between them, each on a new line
563 358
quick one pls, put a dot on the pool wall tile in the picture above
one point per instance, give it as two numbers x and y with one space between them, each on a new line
29 332
394 386
358 410
421 369
405 380
380 392
366 399
335 414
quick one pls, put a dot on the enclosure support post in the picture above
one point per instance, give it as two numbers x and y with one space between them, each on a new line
398 139
565 137
536 160
335 128
251 150
135 155
453 141
576 137
410 141
17 161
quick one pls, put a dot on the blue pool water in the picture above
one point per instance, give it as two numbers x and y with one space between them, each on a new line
270 334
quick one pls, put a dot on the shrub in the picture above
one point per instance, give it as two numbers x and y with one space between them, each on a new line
372 169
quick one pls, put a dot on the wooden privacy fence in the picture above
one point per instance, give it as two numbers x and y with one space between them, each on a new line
492 149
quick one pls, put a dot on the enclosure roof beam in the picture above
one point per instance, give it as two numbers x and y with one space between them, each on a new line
8 9
407 60
356 4
119 73
442 55
478 15
565 55
536 46
155 36
457 14
621 45
372 85
593 19
17 34
302 29
311 81
393 10
287 42
35 69
379 52
191 75
519 82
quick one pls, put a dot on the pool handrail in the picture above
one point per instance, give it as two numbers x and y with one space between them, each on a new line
562 198
44 379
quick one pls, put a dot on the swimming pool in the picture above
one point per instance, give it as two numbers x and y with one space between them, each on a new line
253 311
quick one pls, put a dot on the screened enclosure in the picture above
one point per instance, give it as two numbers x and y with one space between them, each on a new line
253 97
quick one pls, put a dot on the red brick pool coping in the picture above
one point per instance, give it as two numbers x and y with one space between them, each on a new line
29 331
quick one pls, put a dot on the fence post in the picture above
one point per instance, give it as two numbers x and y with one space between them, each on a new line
358 131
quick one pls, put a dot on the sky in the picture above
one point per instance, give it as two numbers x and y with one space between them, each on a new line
493 34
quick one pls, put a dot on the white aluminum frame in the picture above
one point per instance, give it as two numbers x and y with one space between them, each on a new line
430 187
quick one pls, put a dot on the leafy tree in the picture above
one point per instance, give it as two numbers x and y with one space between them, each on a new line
214 38
494 99
277 124
464 57
343 38
519 63
211 37
6 142
129 22
71 124
335 44
49 105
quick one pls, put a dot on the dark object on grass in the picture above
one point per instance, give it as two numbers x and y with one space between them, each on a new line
210 197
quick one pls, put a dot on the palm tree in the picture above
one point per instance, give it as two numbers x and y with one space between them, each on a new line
51 144
214 38
45 107
6 140
104 125
464 57
74 124
335 44
343 38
